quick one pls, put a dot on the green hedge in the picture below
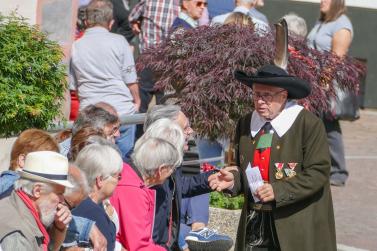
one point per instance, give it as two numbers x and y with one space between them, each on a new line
32 77
221 201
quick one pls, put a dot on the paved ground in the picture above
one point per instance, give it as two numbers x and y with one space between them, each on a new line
355 204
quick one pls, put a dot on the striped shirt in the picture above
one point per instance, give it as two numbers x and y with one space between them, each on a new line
156 18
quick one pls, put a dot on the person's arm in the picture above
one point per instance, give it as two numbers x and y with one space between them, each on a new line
129 74
136 16
134 89
135 223
316 168
341 42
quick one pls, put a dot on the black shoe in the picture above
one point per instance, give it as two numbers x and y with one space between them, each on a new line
337 183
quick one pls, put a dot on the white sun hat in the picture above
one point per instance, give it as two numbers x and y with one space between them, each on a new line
46 166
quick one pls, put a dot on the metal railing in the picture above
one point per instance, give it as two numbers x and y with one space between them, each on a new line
137 118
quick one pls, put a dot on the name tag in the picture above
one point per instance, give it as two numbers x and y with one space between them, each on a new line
265 141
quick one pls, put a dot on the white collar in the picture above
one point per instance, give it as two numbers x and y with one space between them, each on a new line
281 123
182 15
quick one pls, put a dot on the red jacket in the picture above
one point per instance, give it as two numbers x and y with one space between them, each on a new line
135 205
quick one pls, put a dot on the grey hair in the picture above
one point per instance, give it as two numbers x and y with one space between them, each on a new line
153 153
94 139
168 130
161 111
27 186
296 24
95 117
99 12
98 160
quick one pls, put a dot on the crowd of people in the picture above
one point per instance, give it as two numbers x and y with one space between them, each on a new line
110 186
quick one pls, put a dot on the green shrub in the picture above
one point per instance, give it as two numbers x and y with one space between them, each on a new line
221 201
32 77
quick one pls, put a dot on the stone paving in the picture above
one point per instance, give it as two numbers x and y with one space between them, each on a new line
355 204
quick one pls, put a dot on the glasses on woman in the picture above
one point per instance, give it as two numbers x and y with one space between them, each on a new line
117 176
266 97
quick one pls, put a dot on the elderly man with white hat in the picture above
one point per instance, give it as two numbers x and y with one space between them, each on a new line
35 204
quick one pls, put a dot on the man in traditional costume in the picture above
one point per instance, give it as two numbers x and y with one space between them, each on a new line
283 168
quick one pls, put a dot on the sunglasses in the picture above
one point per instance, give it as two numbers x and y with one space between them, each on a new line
201 4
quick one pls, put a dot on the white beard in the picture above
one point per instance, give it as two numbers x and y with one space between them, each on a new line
47 213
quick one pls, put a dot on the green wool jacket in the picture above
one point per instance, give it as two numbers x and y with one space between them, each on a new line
302 210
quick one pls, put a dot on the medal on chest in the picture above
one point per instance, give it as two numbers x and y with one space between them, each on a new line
279 171
290 172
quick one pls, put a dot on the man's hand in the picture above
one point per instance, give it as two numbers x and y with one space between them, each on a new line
136 27
97 239
221 180
265 193
62 217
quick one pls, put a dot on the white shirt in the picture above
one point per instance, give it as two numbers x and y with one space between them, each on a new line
280 123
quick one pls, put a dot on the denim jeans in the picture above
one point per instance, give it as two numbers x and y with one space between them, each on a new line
196 209
78 232
126 141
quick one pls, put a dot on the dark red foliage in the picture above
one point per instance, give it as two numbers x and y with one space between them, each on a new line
198 66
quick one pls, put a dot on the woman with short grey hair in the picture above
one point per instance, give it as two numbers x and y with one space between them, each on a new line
154 160
160 112
102 166
167 129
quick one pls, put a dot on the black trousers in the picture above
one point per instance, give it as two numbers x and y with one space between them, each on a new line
146 92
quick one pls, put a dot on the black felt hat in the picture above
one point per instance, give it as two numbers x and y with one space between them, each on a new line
273 75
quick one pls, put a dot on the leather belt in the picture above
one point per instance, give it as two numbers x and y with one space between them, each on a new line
261 207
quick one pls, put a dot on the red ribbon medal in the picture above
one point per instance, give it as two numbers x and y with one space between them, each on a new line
292 166
279 171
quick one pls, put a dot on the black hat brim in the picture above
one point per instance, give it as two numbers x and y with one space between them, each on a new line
296 87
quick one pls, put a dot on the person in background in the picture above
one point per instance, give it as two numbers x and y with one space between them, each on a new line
191 12
101 116
102 166
239 18
36 204
172 198
72 198
296 25
80 230
151 20
30 140
153 161
333 32
244 7
102 69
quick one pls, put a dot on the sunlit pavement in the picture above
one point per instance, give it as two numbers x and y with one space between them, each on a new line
355 204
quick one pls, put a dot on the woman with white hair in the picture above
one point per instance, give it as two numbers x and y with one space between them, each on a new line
154 160
102 166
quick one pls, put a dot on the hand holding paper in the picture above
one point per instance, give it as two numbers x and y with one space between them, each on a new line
254 179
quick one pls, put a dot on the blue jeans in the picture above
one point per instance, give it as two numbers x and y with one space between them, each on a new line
126 141
196 209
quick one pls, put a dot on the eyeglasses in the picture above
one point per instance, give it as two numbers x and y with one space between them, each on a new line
201 4
266 97
115 176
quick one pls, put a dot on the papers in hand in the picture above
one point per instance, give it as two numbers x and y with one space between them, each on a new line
254 179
